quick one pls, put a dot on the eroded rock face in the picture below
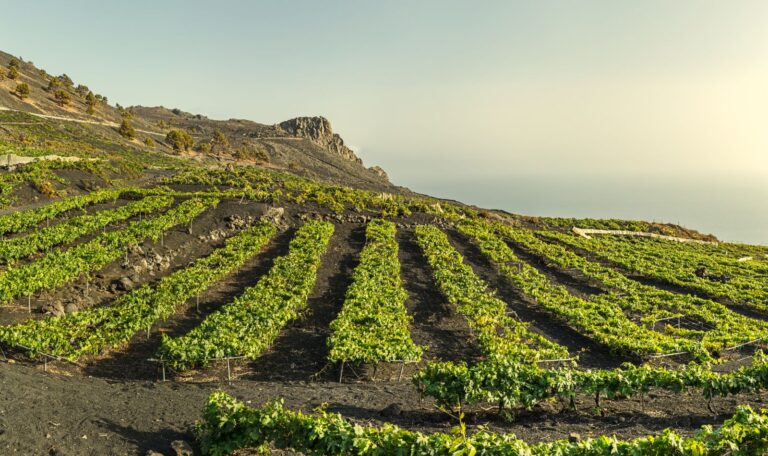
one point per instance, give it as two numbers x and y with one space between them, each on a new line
379 171
319 131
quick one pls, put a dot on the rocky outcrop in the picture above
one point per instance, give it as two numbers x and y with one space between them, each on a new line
379 171
319 131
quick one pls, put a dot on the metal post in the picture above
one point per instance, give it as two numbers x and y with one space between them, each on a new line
162 364
148 328
341 371
29 303
400 377
45 363
229 373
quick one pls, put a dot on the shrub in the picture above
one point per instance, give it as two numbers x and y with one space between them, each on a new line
179 139
53 85
22 90
82 90
220 140
13 73
62 97
2 74
204 147
13 63
149 142
126 130
250 152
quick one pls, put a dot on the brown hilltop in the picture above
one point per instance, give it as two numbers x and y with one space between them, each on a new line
304 145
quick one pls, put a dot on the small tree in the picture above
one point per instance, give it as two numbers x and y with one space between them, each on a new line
53 85
126 129
204 147
90 103
62 97
82 90
13 73
180 140
13 63
66 80
22 90
149 142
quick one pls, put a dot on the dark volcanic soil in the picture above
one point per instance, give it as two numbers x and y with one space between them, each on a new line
48 413
114 404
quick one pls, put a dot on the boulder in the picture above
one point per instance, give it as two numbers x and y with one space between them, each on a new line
71 308
182 448
392 410
124 284
55 308
274 215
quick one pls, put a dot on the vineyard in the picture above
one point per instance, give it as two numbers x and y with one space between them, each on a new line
349 321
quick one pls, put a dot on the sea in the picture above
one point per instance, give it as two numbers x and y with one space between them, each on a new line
733 209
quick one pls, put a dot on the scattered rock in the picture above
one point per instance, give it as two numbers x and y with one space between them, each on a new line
274 215
213 235
182 448
71 308
392 410
153 453
124 284
574 437
55 308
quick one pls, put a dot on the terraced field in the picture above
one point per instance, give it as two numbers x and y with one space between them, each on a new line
389 310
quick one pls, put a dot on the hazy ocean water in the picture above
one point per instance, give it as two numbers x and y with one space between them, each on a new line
732 209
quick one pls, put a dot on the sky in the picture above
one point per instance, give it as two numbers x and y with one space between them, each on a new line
458 97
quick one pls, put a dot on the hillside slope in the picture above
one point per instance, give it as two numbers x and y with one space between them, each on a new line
305 145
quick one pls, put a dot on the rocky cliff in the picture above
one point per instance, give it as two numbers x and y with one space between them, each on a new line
319 131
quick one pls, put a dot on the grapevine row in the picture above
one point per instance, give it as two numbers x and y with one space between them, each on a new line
650 303
68 231
652 260
499 335
21 220
92 330
249 325
512 384
228 425
373 324
61 267
607 325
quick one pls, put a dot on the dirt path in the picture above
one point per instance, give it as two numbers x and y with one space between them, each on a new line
80 121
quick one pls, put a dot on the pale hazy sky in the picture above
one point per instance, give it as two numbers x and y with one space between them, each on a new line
436 90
